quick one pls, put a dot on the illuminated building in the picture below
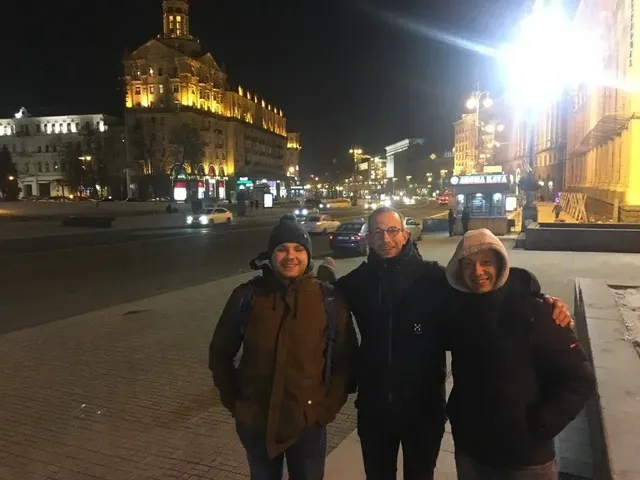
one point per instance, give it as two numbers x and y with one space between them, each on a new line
550 129
603 145
407 163
465 138
292 162
37 145
171 81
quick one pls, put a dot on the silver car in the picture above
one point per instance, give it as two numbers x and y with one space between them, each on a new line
414 227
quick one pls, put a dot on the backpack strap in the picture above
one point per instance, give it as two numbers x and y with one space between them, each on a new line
331 308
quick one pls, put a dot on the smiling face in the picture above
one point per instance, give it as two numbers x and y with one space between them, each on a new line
386 234
480 270
290 260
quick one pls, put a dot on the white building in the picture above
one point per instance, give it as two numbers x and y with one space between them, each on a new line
34 143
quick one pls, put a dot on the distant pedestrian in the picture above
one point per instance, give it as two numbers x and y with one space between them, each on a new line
557 210
257 202
297 359
465 218
451 218
518 378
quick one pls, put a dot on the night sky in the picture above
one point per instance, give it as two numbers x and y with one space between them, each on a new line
345 72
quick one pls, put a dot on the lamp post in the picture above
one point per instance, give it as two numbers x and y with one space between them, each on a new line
477 98
355 152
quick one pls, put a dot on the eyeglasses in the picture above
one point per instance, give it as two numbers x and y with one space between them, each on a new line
391 231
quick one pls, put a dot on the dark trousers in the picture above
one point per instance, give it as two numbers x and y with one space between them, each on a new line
451 229
468 469
381 437
305 458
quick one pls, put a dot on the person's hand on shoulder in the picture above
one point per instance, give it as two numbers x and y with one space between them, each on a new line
326 271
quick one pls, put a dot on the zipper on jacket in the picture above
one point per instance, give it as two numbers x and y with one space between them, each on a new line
390 352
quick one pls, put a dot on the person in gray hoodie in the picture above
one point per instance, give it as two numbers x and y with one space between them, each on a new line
518 378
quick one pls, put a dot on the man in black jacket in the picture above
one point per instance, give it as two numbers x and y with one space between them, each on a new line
518 379
400 303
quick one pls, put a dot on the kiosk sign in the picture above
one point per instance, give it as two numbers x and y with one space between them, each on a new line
480 179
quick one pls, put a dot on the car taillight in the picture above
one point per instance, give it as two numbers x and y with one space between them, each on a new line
330 237
356 237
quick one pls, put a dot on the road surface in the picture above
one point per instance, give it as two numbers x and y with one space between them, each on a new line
55 277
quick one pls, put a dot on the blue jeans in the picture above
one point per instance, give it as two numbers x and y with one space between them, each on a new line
305 458
468 469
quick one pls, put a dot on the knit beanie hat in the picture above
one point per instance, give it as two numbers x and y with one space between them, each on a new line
289 231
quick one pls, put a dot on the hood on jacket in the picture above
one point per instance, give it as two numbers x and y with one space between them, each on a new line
476 241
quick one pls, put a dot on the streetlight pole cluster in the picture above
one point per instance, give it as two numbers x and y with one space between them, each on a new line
477 98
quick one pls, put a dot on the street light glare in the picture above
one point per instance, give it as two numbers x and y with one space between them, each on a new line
471 103
487 102
549 55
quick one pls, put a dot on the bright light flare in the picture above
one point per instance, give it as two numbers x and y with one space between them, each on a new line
550 54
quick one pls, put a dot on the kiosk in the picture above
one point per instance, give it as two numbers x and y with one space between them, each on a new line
484 195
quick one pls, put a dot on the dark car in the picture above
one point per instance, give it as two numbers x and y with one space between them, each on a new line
350 237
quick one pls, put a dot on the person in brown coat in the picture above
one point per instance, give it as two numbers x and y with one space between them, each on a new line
278 394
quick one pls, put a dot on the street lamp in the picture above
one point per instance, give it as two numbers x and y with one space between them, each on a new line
477 98
550 55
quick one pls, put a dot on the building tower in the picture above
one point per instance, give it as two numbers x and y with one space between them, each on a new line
175 19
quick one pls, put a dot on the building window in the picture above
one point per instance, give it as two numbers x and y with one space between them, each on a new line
55 166
160 71
176 89
152 89
55 148
161 88
39 167
38 128
39 149
137 91
77 126
46 148
151 71
46 167
68 127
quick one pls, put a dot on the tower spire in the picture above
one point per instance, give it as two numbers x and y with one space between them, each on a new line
175 19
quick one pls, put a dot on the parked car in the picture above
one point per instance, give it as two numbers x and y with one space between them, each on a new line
350 237
210 216
414 228
320 224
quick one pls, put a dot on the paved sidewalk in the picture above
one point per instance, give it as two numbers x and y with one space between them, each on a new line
124 394
546 215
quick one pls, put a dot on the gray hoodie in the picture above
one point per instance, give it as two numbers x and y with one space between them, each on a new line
476 241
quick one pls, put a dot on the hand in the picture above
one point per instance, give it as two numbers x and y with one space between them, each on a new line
329 262
561 314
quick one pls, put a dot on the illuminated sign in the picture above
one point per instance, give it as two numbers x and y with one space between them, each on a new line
480 179
268 200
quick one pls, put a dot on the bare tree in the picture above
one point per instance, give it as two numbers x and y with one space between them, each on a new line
187 146
148 147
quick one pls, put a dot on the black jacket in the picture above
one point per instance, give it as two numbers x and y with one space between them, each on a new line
399 305
519 379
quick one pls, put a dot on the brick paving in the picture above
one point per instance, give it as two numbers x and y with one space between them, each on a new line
122 394
125 393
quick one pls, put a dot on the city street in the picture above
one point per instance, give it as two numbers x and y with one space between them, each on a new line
76 273
124 392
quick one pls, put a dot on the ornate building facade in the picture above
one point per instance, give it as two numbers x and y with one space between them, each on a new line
603 144
39 146
171 82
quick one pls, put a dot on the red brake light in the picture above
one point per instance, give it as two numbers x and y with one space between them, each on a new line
356 237
330 237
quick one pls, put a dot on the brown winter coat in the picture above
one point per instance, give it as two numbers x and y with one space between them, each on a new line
278 388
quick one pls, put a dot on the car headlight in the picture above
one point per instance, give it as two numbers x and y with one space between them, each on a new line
305 211
203 219
387 203
189 219
297 212
321 206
